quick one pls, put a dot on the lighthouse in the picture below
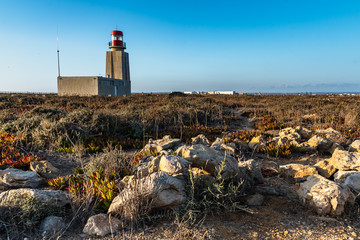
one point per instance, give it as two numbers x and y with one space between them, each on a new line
116 81
117 60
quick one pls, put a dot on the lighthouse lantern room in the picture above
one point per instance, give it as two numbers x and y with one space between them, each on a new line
117 43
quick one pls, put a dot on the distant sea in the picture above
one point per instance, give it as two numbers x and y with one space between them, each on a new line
250 93
273 93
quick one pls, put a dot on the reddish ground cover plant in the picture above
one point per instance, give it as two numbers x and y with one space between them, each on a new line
98 186
11 155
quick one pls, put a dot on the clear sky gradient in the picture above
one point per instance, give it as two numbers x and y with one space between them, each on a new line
246 46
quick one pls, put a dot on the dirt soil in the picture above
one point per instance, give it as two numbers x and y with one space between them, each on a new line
278 218
282 216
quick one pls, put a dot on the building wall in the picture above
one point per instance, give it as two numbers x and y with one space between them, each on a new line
124 88
81 86
113 87
114 64
117 67
116 83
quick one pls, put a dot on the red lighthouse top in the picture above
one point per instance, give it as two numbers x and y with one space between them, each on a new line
117 43
116 32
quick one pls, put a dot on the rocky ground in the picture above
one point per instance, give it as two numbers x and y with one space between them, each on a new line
313 194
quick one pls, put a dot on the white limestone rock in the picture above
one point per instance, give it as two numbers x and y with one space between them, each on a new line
350 179
173 164
297 172
325 196
211 160
44 169
159 190
355 146
16 178
50 198
345 161
200 139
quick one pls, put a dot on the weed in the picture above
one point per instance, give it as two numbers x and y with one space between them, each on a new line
11 156
274 150
101 187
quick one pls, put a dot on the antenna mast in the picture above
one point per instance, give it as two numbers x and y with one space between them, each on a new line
58 52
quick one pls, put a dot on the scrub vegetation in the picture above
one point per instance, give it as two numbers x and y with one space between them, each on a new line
102 137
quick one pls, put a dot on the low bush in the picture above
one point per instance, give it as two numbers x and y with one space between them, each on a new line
11 155
101 188
272 149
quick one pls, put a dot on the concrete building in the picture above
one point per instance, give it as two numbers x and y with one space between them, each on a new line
191 92
117 81
222 92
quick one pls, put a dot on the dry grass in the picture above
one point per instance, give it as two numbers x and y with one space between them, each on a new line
104 124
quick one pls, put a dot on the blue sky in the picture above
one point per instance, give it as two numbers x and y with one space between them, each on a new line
251 46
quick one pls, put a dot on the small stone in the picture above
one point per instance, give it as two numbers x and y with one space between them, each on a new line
257 143
52 225
200 139
255 200
325 169
44 169
101 224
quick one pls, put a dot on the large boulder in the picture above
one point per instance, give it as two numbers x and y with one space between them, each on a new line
101 225
355 146
44 169
325 196
297 172
22 196
350 179
173 164
16 178
159 190
211 160
345 161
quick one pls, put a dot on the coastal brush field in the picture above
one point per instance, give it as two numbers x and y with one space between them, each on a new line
99 150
